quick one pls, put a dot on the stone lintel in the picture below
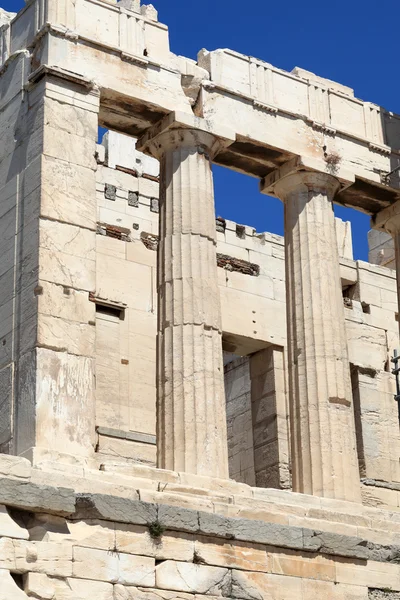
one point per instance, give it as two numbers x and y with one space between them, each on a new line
304 163
60 73
178 120
388 219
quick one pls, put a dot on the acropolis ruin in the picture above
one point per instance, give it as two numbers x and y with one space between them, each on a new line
190 409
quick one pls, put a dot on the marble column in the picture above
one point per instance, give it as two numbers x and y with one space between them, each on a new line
323 440
191 419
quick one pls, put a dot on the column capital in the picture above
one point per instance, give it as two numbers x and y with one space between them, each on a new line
312 173
306 181
179 129
388 219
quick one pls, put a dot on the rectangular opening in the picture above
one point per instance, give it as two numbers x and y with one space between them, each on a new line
111 311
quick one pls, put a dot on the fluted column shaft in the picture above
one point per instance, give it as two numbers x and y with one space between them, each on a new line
191 420
322 421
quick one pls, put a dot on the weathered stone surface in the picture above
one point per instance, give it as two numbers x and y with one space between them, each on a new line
320 395
15 466
197 579
9 528
38 498
40 586
113 508
189 305
380 553
113 566
43 557
9 589
82 589
331 543
172 517
213 524
133 593
383 595
268 533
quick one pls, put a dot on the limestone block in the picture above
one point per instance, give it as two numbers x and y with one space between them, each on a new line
137 252
9 589
293 565
65 303
331 543
66 335
9 528
67 192
113 566
15 466
121 151
377 575
149 12
135 290
133 539
66 255
43 557
173 518
236 555
198 579
133 593
350 592
62 425
112 508
261 586
82 589
40 586
7 554
344 238
367 345
28 496
92 534
239 313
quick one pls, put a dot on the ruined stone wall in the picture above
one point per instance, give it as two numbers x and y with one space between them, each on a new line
163 534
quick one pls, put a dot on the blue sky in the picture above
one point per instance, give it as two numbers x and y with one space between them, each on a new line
349 41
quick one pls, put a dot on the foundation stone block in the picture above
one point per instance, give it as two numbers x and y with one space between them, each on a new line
40 586
9 528
113 508
9 589
36 497
14 466
197 579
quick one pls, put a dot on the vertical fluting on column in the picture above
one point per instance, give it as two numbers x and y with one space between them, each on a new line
324 454
191 420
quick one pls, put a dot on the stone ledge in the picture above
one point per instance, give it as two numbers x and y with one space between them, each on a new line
86 506
36 498
15 466
111 508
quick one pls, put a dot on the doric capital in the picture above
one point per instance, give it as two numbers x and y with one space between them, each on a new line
388 219
178 130
306 181
314 174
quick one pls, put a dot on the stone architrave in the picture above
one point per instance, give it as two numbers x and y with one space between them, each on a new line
322 421
191 419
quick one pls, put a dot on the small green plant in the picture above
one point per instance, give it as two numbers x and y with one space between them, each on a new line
156 530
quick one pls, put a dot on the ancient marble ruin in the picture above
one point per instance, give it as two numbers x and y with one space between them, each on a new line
190 409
